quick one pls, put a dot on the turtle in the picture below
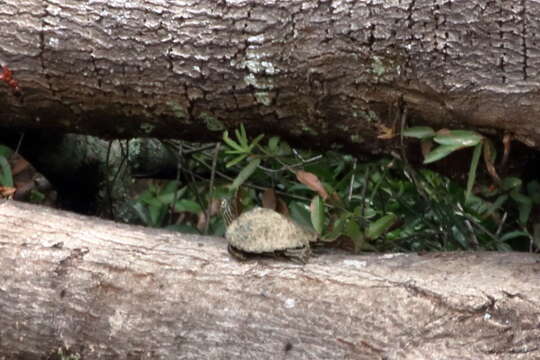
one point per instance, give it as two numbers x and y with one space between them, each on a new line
263 231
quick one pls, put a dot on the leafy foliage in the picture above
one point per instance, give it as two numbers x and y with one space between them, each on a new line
6 178
384 205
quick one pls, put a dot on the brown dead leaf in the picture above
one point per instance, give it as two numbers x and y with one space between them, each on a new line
201 221
281 207
385 133
312 181
7 192
269 200
214 207
444 132
489 161
19 164
425 146
335 198
507 140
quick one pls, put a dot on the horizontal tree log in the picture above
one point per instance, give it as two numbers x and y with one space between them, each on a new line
110 291
327 71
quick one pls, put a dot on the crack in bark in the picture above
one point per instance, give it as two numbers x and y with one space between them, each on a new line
95 70
41 34
410 23
524 38
371 36
502 63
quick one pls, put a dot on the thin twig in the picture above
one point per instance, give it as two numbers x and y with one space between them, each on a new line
19 143
179 161
211 187
351 184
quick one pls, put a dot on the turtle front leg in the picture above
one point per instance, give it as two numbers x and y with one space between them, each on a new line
237 254
298 255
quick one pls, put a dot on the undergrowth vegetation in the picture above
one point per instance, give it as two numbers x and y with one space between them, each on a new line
383 205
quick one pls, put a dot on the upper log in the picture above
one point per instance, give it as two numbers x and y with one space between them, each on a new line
329 71
110 291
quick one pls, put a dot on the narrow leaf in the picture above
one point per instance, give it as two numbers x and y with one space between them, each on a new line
236 160
170 187
300 213
461 138
440 152
459 237
151 200
524 205
273 143
513 234
142 212
472 171
6 178
317 214
157 215
231 143
379 227
511 182
246 172
188 206
533 189
242 136
419 132
496 205
5 151
256 141
353 231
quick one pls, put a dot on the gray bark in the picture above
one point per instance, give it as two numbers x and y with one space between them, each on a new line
110 291
329 71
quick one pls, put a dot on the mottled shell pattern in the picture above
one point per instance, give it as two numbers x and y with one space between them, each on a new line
262 230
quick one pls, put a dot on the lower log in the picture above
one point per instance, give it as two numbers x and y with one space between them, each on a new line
100 290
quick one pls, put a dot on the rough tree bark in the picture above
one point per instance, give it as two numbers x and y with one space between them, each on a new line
331 71
109 291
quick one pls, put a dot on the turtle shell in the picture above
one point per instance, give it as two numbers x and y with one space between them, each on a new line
263 230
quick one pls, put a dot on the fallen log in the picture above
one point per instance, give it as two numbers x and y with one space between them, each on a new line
102 290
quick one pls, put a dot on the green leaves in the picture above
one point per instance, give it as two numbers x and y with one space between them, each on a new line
472 171
241 146
460 138
273 144
452 140
245 173
448 140
186 205
380 226
244 148
440 152
317 214
419 132
154 204
6 178
385 205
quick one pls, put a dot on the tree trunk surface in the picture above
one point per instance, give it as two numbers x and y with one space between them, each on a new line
324 71
101 290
